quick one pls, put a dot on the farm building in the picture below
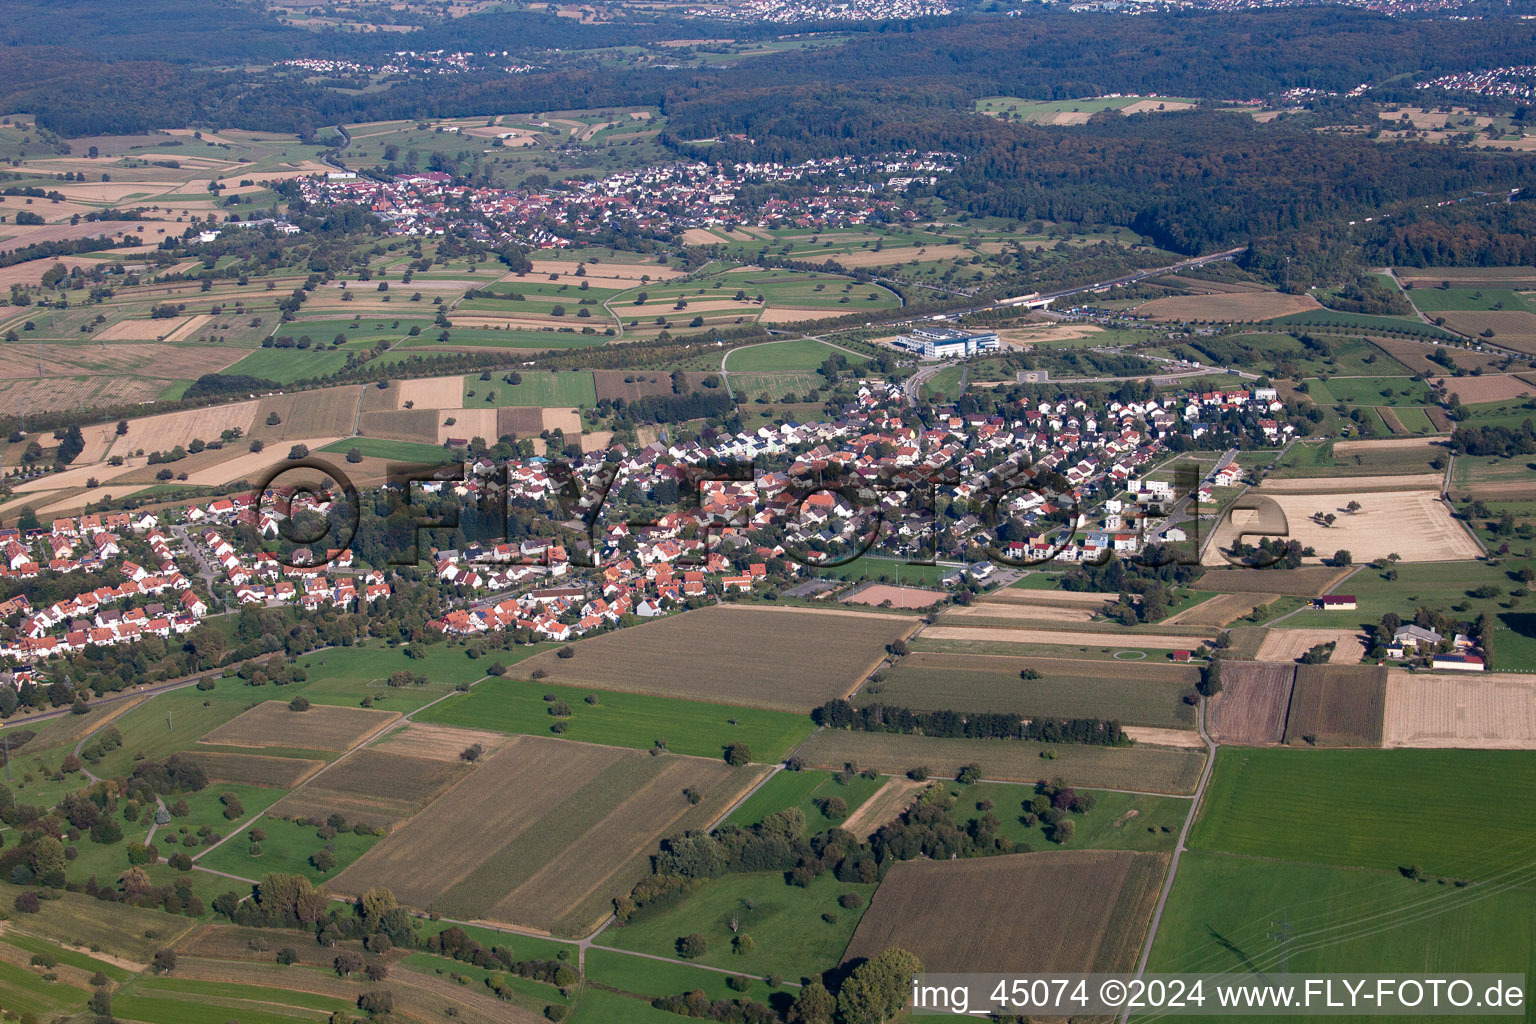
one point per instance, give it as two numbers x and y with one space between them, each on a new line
1459 662
1415 637
1336 602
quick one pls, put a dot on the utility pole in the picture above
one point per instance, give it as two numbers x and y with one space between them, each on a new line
1281 932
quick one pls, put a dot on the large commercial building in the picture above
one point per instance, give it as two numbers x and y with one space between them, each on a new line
947 343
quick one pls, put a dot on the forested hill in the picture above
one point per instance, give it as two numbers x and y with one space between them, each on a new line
63 57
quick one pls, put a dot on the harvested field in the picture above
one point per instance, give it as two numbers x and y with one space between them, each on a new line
249 465
1470 277
1490 387
1073 638
1251 707
166 431
1234 306
1511 329
1415 525
891 255
467 423
1150 736
1221 609
432 393
1460 709
173 329
1337 706
329 412
1414 355
734 656
1146 769
883 807
519 420
1004 613
323 727
1072 911
1091 599
630 384
1342 449
876 594
438 742
1346 484
567 421
631 272
256 769
1290 644
374 786
418 425
83 391
1156 106
540 855
1066 688
1307 581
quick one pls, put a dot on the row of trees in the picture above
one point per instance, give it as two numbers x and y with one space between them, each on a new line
840 714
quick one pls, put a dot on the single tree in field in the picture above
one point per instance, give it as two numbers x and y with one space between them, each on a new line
692 946
1352 507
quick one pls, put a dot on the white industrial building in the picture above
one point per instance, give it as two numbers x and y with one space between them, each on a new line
947 343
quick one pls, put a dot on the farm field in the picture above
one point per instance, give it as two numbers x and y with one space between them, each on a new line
1486 710
1489 387
731 655
1231 306
806 790
1291 644
1054 911
1066 688
1390 391
621 719
785 921
372 786
511 862
1218 918
1022 635
1337 706
273 724
1150 769
1422 529
1366 808
537 388
286 846
1511 329
1373 463
1118 821
1306 581
1251 708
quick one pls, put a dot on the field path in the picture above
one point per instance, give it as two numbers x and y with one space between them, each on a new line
1179 847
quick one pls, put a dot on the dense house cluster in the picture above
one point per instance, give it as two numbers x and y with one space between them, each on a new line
403 62
833 192
1517 80
743 534
150 600
785 12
